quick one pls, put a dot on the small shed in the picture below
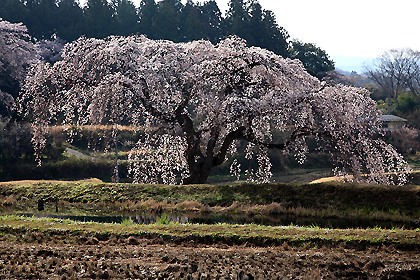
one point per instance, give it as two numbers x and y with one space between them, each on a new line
391 122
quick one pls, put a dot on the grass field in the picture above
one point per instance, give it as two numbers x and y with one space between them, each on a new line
41 248
319 200
34 248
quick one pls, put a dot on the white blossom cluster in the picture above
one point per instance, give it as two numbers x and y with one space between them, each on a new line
202 100
16 48
16 53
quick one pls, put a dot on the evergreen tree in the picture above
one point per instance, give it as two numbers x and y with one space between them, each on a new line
168 20
257 26
148 14
275 38
126 18
237 18
193 24
98 19
256 33
213 21
41 18
13 10
315 60
71 18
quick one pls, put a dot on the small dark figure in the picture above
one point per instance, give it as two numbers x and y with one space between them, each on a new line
40 204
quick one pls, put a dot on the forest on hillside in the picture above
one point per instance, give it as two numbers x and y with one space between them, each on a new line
168 19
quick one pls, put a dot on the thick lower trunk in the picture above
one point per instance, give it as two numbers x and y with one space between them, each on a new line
198 175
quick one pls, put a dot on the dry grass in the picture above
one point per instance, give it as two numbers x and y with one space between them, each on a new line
253 234
274 208
322 200
24 183
8 201
192 206
151 205
95 128
349 178
119 257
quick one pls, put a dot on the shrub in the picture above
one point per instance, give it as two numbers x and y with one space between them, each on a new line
405 140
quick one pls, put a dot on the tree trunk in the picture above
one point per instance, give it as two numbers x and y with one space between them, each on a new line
198 175
116 178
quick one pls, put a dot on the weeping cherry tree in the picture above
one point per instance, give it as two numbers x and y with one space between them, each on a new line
16 54
198 102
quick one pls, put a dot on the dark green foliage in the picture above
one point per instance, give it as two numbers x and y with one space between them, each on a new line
65 169
71 23
213 25
267 34
315 60
13 10
126 18
15 143
193 23
17 160
257 26
167 19
17 155
41 18
99 19
406 105
237 19
148 12
8 85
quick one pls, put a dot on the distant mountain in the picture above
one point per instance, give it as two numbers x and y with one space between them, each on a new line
345 73
349 64
355 79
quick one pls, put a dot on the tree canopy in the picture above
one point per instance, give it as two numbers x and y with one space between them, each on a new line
166 19
315 60
397 71
16 53
200 102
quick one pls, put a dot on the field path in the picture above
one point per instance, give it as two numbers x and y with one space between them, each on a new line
78 154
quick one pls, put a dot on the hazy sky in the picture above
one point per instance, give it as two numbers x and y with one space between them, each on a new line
349 28
352 28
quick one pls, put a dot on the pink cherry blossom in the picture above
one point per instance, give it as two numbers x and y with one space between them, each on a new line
199 101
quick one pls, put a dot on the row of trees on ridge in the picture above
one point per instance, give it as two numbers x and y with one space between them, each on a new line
166 19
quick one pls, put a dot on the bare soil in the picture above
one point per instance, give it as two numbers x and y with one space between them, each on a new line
139 258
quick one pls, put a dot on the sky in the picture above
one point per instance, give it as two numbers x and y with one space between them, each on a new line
351 32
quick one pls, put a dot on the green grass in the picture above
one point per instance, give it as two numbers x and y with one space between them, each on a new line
323 200
127 222
13 228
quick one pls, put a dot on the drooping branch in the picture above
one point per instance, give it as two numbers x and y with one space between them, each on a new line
300 132
148 105
180 117
220 157
244 134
